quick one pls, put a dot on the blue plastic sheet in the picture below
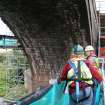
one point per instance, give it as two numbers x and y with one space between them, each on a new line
55 96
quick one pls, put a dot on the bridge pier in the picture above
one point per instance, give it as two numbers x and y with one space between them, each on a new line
36 81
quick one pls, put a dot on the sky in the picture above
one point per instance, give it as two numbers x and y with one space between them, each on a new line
100 5
4 30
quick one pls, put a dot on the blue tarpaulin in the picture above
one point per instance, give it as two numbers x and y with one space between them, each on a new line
52 95
55 96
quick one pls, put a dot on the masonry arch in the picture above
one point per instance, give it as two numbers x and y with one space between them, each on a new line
45 29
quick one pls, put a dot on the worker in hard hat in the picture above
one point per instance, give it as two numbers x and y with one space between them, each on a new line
79 76
93 59
91 56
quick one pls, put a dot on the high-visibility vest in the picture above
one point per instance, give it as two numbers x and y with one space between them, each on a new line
86 75
94 61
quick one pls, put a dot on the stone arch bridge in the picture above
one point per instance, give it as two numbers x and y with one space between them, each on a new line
45 28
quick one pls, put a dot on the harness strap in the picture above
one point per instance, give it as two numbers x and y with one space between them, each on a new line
74 68
75 74
79 71
83 98
81 79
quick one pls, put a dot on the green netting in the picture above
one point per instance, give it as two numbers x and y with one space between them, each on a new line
55 96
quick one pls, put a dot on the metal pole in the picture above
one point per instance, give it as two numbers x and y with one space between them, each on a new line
99 43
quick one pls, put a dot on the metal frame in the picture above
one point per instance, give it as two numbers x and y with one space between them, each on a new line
15 80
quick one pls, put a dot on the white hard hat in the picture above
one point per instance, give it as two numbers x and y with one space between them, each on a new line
89 48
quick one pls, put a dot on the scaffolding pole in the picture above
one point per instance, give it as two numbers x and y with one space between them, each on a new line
100 8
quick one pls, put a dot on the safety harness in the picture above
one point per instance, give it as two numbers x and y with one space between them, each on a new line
76 77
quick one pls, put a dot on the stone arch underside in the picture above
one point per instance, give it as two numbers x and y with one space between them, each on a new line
45 28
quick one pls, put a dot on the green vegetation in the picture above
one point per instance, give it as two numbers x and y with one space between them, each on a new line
12 66
16 92
2 80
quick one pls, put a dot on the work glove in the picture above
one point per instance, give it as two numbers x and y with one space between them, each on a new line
53 81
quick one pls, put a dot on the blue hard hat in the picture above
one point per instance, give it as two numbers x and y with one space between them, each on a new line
77 49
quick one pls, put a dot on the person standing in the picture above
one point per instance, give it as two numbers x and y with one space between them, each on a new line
91 56
94 61
79 74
